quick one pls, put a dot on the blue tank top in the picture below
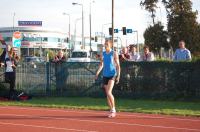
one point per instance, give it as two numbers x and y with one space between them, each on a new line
109 69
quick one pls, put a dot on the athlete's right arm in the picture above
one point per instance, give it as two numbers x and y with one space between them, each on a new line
100 66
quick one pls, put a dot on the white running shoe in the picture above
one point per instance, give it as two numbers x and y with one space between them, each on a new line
112 115
113 110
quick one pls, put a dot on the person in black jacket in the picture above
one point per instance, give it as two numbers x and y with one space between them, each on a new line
10 74
2 58
61 71
59 58
3 55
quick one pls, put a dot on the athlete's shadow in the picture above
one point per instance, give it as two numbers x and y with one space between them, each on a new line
50 117
79 117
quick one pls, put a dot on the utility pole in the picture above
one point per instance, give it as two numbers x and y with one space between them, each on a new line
113 22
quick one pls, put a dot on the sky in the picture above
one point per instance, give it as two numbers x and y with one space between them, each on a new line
128 13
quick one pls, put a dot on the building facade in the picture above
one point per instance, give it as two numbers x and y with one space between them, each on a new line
35 39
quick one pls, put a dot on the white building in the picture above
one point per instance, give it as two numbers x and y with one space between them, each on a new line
35 38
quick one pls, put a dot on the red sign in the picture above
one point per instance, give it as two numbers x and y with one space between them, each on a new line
17 35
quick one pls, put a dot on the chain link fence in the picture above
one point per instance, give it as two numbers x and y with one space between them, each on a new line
167 80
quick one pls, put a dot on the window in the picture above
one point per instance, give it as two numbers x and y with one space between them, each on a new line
45 39
28 39
54 40
79 54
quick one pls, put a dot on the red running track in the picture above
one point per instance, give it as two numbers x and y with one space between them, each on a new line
28 119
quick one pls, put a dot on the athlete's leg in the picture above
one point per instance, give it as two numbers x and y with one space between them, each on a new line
108 100
109 93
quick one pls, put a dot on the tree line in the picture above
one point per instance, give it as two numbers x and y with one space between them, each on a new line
181 25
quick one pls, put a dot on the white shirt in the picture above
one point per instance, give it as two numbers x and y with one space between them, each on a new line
9 66
134 56
148 57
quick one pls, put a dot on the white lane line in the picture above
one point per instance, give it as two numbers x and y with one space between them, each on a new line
105 122
100 113
45 127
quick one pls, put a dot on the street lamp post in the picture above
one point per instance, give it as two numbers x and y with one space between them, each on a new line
102 31
113 22
19 49
91 28
138 47
69 30
75 30
83 41
13 21
40 46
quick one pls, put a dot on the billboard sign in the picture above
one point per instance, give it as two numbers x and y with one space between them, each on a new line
30 23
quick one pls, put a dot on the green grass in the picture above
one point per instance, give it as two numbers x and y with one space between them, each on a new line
125 105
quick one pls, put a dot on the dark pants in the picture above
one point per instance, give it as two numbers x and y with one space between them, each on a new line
61 72
10 78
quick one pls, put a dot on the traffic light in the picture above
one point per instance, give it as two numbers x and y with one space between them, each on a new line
115 31
124 30
96 39
110 31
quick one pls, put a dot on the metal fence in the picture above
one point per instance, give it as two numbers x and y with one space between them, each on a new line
143 79
160 80
73 79
30 78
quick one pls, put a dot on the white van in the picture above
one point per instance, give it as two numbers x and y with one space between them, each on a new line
80 56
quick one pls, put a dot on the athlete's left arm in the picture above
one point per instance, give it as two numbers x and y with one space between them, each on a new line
116 59
100 66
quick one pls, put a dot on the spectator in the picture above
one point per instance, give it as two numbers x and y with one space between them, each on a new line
98 56
61 71
124 55
59 57
8 49
134 56
2 58
4 55
147 56
15 56
182 54
10 75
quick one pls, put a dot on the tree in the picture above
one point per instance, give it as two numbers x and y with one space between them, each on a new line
156 38
197 46
150 6
182 23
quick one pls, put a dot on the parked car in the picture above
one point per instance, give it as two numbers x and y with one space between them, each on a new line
34 59
79 56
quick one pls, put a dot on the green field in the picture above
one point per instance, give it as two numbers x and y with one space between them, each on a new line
125 105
